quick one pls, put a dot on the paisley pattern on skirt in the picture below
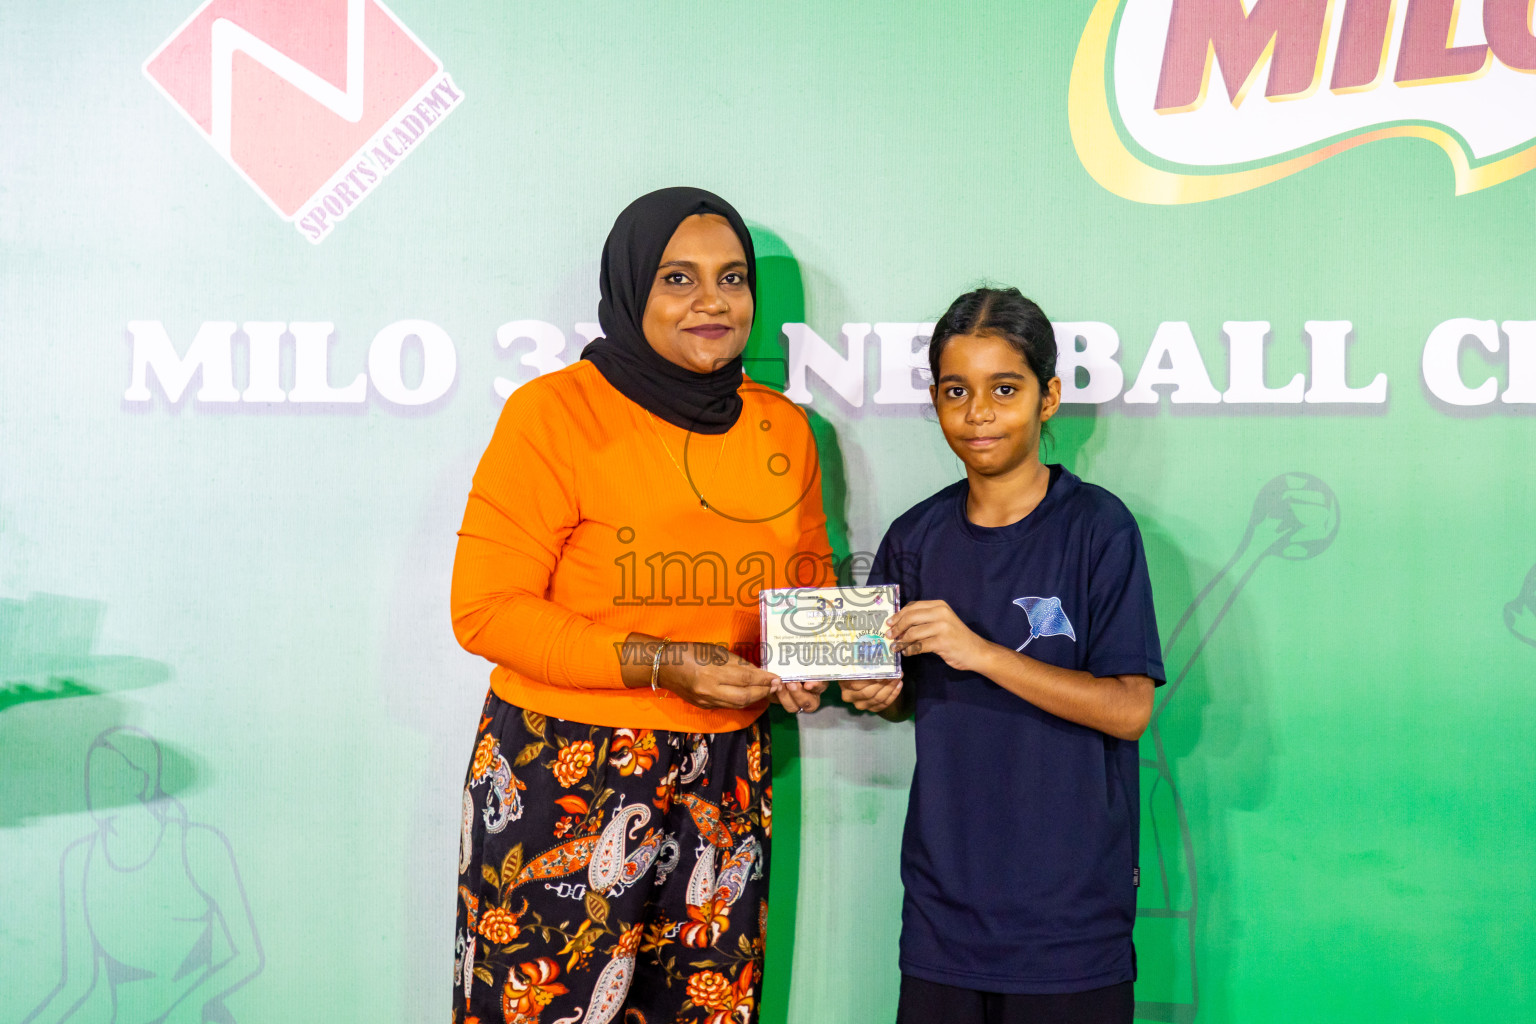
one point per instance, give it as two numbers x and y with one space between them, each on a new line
611 874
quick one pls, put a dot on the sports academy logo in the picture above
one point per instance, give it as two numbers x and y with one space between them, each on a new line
312 102
1180 101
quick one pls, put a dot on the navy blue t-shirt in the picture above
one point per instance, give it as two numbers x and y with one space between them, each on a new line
1021 836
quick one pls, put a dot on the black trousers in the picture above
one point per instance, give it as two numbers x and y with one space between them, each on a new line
927 1002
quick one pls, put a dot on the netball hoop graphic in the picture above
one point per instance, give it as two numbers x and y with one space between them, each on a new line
1295 517
156 924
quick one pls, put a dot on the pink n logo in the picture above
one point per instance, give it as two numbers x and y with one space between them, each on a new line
311 101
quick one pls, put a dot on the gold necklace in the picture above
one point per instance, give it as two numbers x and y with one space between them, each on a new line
713 474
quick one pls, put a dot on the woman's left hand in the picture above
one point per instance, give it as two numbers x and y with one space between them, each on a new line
800 696
932 627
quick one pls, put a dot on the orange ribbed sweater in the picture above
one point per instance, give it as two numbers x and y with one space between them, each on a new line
582 527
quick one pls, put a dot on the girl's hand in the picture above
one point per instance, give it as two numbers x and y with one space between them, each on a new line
801 695
932 627
709 676
871 694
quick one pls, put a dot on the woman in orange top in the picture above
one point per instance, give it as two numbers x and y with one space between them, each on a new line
617 810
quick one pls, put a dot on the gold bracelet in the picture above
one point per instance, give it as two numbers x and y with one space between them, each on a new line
656 664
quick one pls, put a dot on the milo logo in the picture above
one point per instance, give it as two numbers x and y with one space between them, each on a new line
1178 101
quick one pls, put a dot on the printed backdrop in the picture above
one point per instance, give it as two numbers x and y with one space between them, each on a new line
241 397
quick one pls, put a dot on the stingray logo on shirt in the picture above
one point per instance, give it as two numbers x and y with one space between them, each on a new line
312 103
1180 101
1046 618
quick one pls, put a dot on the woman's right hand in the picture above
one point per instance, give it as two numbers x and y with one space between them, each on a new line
709 676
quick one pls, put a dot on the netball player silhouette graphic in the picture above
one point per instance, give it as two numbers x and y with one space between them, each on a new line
1295 517
156 925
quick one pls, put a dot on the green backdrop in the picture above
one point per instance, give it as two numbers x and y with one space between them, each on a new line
241 608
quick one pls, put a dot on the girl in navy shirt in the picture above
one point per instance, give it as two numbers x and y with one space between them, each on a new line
1030 657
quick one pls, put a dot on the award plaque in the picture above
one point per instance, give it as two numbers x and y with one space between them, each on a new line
829 632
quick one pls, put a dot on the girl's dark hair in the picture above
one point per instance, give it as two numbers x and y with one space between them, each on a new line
1007 314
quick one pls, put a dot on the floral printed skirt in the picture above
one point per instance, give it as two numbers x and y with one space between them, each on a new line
611 874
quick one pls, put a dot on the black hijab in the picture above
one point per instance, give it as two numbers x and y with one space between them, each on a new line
706 403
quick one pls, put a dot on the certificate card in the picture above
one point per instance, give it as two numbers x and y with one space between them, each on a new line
829 632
